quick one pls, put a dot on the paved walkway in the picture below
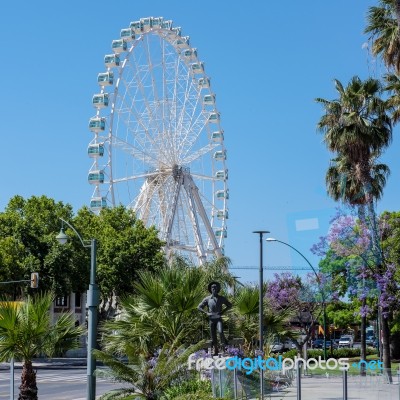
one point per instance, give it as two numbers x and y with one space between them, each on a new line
49 363
359 388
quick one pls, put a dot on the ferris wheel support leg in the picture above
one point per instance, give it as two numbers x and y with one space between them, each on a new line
190 186
142 205
170 223
203 215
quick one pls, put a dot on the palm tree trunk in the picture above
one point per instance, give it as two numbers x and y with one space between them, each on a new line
28 389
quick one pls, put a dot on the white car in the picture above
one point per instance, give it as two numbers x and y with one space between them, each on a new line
346 341
277 347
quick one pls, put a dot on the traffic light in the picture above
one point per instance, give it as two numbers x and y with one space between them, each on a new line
34 280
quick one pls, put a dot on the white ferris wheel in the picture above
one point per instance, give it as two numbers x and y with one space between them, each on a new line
158 146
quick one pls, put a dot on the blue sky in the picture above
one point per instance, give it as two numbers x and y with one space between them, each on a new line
267 61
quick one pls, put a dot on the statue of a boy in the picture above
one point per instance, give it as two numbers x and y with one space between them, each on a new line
214 303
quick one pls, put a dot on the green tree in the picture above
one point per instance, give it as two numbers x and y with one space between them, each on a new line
342 315
26 330
27 232
125 247
28 229
383 25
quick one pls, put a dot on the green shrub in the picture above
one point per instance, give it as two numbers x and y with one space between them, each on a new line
196 396
344 352
191 387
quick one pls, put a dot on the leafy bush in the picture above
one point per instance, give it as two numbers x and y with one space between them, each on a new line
344 352
192 387
195 396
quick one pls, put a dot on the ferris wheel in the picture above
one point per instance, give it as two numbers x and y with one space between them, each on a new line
158 146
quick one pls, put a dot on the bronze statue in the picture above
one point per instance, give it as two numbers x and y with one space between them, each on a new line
214 304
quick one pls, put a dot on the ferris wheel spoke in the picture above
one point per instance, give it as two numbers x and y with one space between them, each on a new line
149 113
149 159
134 177
200 153
192 134
203 177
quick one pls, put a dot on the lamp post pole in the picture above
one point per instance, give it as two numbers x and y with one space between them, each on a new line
92 303
261 312
319 282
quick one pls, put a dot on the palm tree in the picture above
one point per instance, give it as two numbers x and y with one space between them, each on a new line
147 378
26 330
383 25
164 309
357 128
342 185
393 88
246 311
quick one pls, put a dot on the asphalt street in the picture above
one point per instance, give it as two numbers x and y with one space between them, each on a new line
56 383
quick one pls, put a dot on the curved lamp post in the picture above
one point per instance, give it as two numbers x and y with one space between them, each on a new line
318 280
261 312
92 303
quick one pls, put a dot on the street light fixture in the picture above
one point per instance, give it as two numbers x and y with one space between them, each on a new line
319 283
92 303
261 311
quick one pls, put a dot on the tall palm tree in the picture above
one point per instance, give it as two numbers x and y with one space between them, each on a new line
383 25
357 127
342 185
26 330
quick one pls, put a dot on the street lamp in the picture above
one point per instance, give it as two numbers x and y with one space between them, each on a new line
319 283
261 312
92 303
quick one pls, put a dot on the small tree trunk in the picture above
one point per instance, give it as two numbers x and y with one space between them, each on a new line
395 346
363 352
386 345
28 389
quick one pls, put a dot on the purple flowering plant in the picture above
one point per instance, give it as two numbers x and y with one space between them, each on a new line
367 274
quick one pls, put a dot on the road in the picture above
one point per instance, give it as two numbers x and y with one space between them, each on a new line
56 384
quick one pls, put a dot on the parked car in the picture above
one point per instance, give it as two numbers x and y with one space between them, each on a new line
277 347
331 343
288 345
317 343
370 341
346 341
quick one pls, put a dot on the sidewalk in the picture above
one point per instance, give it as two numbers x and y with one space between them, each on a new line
321 388
48 363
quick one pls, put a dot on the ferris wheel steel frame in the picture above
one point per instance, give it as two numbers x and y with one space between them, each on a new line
154 147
